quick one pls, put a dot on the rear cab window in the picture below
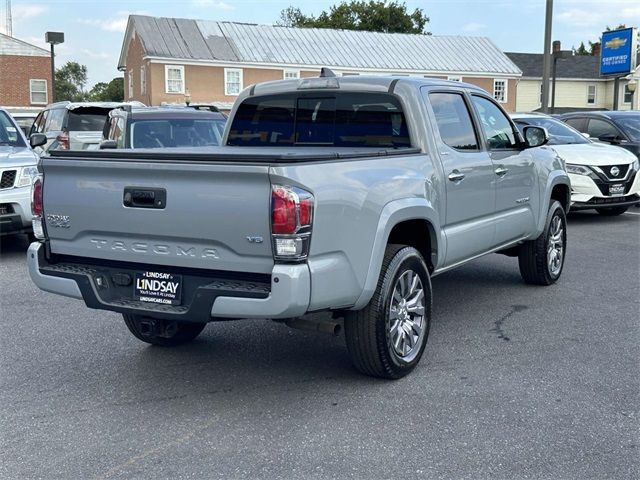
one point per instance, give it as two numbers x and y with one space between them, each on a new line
85 119
340 119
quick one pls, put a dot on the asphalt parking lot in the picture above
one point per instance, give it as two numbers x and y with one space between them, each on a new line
517 382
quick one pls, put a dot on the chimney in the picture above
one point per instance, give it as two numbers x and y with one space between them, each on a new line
556 46
596 49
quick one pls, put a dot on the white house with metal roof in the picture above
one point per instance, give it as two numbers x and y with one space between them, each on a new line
172 60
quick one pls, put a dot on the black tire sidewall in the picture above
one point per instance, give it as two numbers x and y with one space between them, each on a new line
407 258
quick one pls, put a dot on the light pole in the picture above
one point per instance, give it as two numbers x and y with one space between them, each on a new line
53 38
546 58
556 55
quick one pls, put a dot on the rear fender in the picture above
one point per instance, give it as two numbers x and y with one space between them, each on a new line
392 214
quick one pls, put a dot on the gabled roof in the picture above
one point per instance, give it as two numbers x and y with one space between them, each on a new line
204 40
578 66
13 46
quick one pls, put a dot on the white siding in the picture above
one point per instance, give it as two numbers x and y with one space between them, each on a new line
528 95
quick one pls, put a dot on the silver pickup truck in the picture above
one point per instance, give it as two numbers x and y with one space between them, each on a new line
341 195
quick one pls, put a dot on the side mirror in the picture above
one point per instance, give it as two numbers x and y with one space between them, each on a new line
107 144
610 138
37 140
535 136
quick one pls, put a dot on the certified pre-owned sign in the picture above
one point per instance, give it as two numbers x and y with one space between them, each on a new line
158 287
618 52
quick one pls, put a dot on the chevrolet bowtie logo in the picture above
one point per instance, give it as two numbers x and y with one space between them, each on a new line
615 43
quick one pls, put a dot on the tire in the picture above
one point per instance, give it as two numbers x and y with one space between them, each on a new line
612 211
376 334
163 333
537 266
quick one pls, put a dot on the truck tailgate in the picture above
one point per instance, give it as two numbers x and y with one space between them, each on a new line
215 216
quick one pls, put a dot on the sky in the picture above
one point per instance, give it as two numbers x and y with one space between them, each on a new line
94 29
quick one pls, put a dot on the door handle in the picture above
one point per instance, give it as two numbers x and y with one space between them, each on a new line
456 176
501 171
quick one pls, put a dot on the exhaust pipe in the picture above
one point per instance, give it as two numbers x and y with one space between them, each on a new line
328 327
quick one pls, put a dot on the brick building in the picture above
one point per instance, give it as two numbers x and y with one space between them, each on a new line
166 59
25 74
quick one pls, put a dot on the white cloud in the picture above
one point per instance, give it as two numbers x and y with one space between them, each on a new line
98 55
118 23
219 4
473 27
24 12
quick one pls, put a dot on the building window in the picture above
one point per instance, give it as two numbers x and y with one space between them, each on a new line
232 81
130 91
143 80
500 90
591 94
628 95
454 78
291 74
174 78
540 100
38 91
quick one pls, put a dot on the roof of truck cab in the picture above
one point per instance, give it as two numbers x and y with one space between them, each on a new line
364 83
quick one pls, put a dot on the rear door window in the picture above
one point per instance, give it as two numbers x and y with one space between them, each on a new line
55 120
454 120
336 119
597 128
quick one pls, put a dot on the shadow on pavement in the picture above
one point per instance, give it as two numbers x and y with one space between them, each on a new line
12 246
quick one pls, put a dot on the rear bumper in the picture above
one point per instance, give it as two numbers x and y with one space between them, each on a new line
286 295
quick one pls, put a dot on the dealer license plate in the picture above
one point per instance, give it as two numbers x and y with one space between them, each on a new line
616 190
158 287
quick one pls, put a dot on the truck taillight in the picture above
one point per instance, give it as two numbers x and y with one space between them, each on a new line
291 221
37 209
63 141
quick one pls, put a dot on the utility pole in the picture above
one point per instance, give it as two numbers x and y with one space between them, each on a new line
546 58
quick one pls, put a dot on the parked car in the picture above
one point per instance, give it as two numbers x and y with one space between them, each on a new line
161 127
17 170
24 119
615 128
603 177
73 126
333 194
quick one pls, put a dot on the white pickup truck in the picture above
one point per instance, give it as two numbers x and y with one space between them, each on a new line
330 194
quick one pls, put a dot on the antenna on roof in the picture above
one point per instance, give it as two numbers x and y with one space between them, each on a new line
326 72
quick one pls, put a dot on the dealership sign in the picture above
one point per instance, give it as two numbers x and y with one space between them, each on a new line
618 52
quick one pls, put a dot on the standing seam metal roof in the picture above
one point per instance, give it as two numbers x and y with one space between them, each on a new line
13 46
247 43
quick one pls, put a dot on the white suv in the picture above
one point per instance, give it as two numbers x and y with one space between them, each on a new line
603 177
17 169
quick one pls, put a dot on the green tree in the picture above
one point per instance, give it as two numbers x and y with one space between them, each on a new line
70 81
108 92
373 16
581 50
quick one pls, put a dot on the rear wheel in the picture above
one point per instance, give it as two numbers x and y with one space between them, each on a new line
387 338
165 333
612 211
541 260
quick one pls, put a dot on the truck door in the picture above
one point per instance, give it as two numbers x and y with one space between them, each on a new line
514 171
468 177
